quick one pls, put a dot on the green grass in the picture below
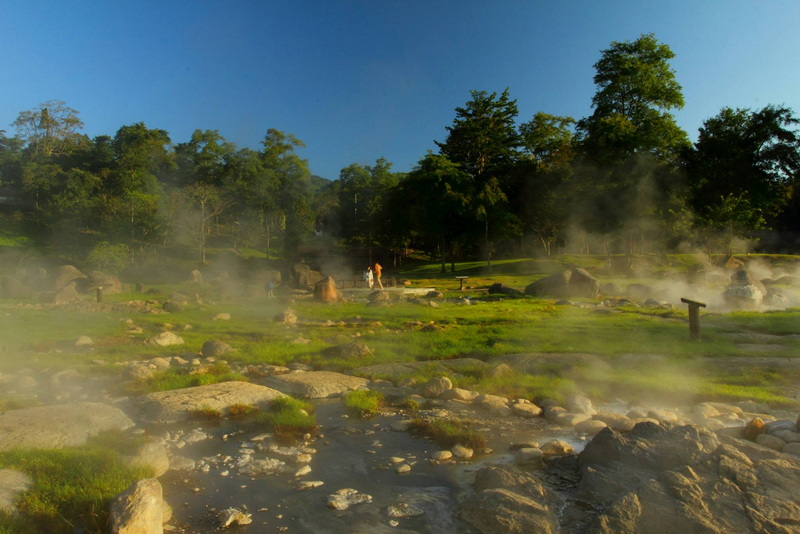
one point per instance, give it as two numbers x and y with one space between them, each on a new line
364 403
289 418
72 488
179 378
447 434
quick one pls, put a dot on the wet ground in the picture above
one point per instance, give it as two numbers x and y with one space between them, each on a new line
350 454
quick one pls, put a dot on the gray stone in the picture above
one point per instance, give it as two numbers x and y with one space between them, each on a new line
139 509
315 384
180 404
58 426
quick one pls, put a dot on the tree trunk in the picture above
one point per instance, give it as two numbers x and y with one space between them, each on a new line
444 266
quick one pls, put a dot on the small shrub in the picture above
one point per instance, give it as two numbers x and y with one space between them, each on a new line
208 413
238 411
289 418
109 258
364 403
448 433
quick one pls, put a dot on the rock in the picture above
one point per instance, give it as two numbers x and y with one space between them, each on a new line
434 388
138 371
681 479
350 351
347 497
618 422
527 410
556 448
590 427
139 509
180 404
753 429
109 284
442 456
262 468
780 424
165 339
502 289
152 454
528 455
570 419
83 342
325 291
58 426
502 511
234 516
303 276
65 295
213 348
577 403
402 509
571 283
65 275
288 317
458 394
378 298
791 448
770 442
222 317
464 453
315 384
12 484
11 288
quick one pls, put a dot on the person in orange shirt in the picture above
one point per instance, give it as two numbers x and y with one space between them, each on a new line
377 270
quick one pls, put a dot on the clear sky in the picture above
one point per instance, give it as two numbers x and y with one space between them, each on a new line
363 79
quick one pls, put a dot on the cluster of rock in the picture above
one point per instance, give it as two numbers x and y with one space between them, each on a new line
59 285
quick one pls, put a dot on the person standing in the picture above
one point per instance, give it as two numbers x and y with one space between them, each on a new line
378 270
368 276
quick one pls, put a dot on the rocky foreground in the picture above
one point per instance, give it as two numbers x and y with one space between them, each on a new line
708 467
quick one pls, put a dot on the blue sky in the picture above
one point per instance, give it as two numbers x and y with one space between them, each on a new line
360 80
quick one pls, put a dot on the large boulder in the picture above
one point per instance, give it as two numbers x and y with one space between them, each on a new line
575 282
64 275
315 384
349 351
744 291
11 288
325 291
139 509
303 276
507 502
181 404
108 283
58 426
661 479
502 289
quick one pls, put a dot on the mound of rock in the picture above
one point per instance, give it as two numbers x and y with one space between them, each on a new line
681 479
744 291
180 404
58 426
575 282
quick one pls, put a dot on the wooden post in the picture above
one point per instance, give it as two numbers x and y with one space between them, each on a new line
694 317
99 294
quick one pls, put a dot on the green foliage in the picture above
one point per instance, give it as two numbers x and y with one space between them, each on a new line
364 403
172 379
109 258
447 434
72 488
289 418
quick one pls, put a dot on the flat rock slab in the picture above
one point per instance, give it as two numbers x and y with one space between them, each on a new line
179 404
536 363
12 483
315 384
58 426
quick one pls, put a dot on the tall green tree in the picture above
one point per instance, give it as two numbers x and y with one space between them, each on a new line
636 92
743 168
50 129
292 176
432 203
207 158
544 174
362 195
483 141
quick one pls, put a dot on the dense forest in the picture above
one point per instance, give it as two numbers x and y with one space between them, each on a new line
626 179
